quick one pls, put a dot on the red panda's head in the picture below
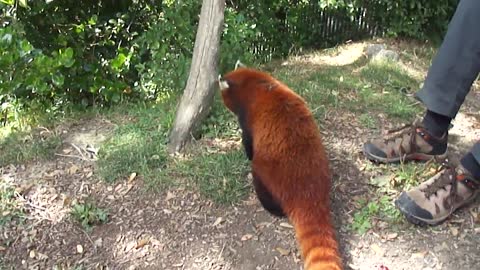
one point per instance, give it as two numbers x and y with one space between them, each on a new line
242 87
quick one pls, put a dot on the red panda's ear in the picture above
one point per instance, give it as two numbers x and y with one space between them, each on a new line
239 64
222 84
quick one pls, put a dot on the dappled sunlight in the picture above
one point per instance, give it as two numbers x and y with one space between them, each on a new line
342 55
135 245
413 71
40 202
222 144
94 134
148 251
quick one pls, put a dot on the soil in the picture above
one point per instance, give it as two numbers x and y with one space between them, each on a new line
180 229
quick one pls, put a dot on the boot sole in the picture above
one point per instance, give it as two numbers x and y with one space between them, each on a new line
411 157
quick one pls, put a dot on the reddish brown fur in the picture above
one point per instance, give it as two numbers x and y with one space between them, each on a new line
289 159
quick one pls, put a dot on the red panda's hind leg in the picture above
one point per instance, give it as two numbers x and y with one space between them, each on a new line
266 198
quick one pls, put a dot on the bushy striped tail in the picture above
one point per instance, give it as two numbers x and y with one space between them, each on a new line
316 237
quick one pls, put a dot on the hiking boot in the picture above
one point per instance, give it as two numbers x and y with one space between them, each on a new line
434 200
411 142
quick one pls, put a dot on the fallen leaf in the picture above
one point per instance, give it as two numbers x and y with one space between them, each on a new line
454 231
2 248
458 221
246 237
132 177
283 251
79 249
42 256
218 221
382 180
24 189
142 242
169 196
130 246
67 201
32 254
286 225
98 243
261 225
73 169
392 236
377 249
420 254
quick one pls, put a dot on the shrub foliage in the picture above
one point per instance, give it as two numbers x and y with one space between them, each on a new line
54 53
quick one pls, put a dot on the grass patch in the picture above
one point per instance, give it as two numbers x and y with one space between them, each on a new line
10 208
220 123
368 121
364 87
380 208
88 214
138 143
391 181
219 176
362 218
408 175
21 147
386 87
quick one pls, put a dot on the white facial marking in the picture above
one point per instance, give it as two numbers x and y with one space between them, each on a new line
239 64
222 84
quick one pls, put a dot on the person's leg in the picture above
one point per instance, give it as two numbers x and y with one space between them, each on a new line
448 81
456 64
471 161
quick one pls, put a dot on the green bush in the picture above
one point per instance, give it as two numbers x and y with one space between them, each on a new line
419 19
166 48
56 53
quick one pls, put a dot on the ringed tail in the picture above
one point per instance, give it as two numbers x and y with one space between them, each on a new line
316 237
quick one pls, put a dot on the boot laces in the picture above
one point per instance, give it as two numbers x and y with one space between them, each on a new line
448 176
403 132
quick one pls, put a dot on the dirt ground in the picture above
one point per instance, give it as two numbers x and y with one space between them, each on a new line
179 229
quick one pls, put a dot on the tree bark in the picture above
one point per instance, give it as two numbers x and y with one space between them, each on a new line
199 91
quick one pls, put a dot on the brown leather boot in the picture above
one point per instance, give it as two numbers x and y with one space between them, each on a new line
411 142
436 199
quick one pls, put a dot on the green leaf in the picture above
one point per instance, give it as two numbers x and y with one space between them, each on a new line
93 20
66 57
58 79
68 63
115 98
8 2
23 3
118 62
79 28
69 52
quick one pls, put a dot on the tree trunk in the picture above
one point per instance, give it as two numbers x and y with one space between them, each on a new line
199 91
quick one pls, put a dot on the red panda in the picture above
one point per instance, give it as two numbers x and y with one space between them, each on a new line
290 168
